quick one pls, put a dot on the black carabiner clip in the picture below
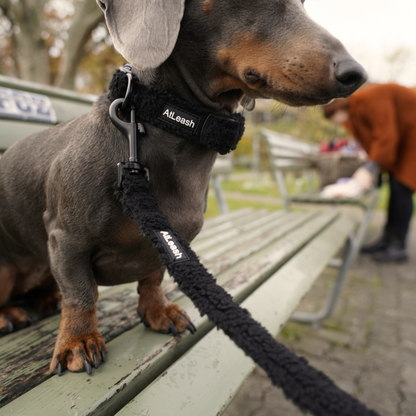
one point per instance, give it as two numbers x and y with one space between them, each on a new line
129 130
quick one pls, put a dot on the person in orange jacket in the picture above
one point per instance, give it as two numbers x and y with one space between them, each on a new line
382 117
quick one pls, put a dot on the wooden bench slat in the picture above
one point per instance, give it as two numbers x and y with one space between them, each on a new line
248 234
206 379
291 164
277 139
366 201
282 152
248 265
246 273
139 355
212 222
243 258
224 227
237 229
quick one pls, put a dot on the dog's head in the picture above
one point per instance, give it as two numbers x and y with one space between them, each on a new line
262 48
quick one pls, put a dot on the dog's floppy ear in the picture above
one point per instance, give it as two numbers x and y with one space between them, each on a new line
143 31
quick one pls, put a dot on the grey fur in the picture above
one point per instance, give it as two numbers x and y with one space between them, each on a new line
61 210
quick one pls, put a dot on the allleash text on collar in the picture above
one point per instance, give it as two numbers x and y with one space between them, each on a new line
175 115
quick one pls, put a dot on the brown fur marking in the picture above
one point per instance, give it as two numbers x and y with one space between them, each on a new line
127 231
158 312
18 317
208 6
8 276
278 70
46 301
78 338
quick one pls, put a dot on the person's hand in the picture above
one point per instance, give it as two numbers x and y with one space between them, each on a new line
363 178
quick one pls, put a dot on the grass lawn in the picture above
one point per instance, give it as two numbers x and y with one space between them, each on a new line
243 183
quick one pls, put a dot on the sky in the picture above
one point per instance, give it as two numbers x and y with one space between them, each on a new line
373 31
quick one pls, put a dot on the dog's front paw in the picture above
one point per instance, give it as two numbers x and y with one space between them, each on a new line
12 318
78 353
165 318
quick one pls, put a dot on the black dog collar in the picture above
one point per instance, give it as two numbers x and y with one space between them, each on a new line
179 117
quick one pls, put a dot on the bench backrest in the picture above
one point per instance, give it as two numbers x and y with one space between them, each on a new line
222 166
28 107
288 154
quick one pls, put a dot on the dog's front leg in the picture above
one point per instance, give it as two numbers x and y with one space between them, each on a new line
156 311
79 344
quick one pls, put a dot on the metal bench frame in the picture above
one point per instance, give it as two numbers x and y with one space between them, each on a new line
289 154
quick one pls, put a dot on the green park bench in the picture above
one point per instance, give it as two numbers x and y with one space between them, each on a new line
267 261
288 155
27 107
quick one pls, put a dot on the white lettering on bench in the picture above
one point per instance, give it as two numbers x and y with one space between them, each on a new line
23 105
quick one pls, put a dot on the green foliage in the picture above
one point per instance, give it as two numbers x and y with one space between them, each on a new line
97 68
305 123
383 201
309 124
291 331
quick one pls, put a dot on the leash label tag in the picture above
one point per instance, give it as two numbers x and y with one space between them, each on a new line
172 247
179 118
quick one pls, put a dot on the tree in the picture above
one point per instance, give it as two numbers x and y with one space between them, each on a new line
46 39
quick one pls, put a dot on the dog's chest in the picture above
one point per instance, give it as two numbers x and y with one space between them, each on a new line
127 255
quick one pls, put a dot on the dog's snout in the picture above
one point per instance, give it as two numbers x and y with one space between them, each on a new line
350 75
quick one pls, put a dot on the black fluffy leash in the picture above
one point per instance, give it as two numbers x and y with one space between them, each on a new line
310 389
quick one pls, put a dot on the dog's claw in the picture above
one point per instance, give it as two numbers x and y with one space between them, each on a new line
59 369
172 329
103 355
87 366
7 329
142 314
96 361
191 328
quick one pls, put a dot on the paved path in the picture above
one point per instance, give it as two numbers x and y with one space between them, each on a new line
368 346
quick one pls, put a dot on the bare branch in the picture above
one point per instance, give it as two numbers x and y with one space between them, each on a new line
86 18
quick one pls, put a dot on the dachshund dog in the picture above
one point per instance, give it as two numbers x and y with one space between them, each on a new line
59 218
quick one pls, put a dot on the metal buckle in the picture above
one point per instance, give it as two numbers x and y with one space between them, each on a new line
129 130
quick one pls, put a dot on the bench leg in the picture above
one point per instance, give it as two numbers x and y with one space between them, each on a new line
222 202
325 312
280 179
354 244
359 237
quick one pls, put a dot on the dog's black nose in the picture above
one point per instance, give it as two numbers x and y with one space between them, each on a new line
350 75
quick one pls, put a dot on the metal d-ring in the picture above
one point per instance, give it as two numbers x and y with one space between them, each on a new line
128 92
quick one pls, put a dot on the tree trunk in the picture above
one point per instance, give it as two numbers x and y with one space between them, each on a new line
30 52
86 18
